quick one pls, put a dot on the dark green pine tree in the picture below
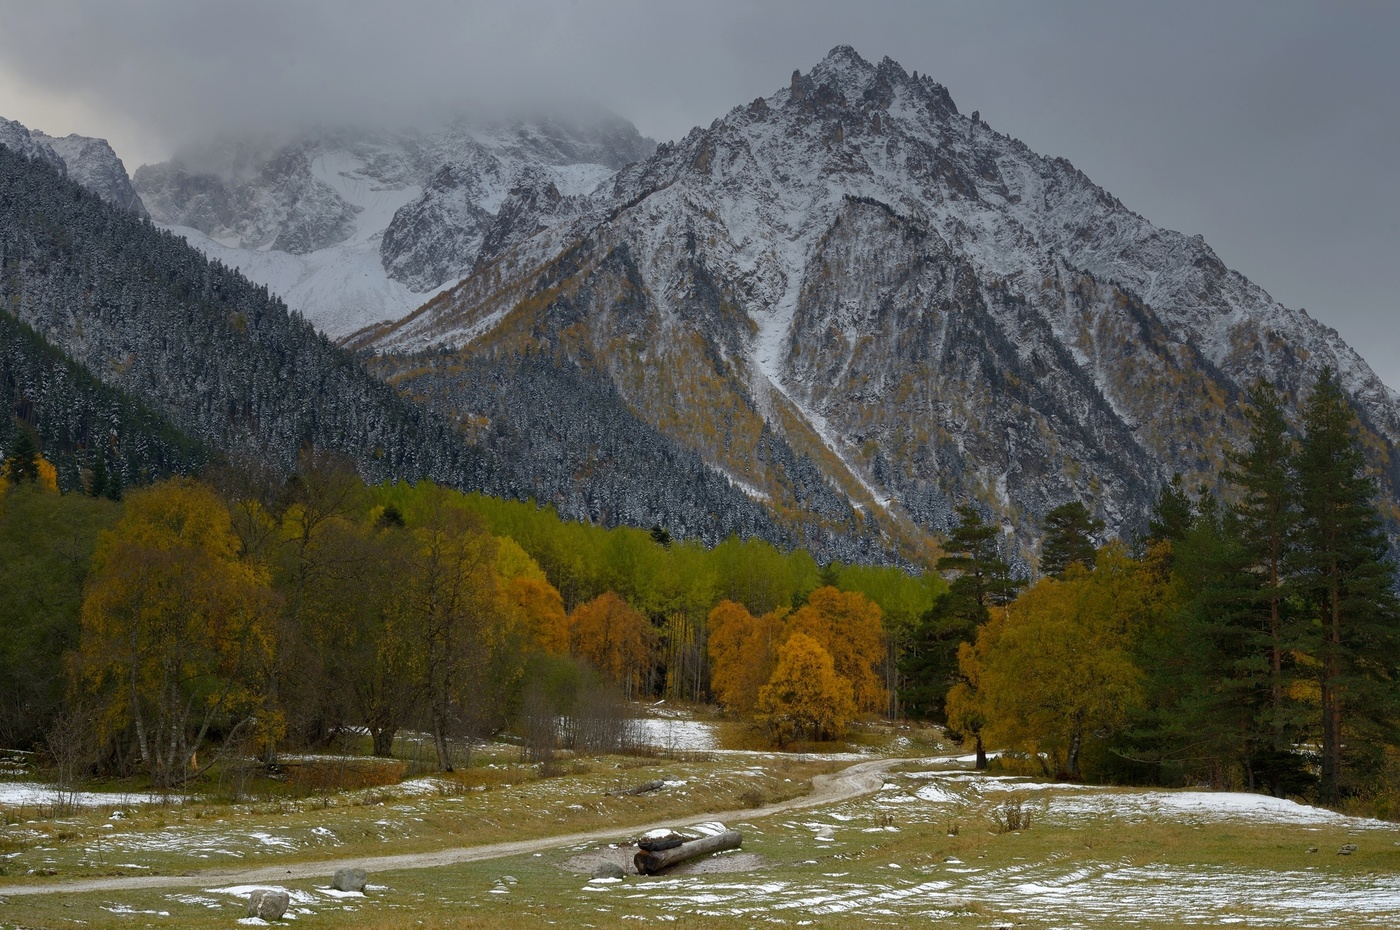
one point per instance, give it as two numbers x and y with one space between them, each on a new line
1347 586
1198 721
97 487
974 552
1266 516
23 463
1172 513
1069 537
983 580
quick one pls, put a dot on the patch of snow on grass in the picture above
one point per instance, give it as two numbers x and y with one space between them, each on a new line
1207 806
301 898
34 794
673 734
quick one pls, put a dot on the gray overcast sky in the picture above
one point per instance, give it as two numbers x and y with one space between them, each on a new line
1272 128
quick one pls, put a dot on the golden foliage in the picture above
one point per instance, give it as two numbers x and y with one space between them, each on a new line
1056 666
848 626
48 476
177 629
805 695
533 606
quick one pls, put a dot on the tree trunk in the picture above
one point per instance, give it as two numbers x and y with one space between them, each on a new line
440 743
383 738
1330 788
650 863
981 762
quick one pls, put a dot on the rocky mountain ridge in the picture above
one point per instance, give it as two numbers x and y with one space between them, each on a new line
121 343
919 303
91 162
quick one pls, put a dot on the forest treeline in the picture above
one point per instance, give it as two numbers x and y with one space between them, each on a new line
1247 639
247 612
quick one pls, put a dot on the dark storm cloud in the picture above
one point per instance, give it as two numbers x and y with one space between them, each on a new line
1272 128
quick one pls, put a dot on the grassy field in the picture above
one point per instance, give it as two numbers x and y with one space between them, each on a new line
933 845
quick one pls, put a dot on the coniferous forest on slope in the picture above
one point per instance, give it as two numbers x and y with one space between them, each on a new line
228 366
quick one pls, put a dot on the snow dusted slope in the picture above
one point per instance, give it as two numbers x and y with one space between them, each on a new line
15 135
343 286
90 162
354 227
921 307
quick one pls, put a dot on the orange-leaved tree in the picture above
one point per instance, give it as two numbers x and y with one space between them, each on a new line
615 638
177 628
805 696
531 608
743 652
848 626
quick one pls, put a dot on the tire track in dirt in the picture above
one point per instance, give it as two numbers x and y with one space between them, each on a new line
851 782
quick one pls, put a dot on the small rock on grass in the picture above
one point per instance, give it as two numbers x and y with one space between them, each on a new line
349 880
1347 850
268 903
608 870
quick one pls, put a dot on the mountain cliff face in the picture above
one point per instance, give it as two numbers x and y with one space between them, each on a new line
90 162
352 227
920 306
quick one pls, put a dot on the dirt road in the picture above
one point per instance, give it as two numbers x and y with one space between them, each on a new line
861 778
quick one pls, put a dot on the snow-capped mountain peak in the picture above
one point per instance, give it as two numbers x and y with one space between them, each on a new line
355 226
920 304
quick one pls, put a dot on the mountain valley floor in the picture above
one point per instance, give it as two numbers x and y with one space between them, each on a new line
896 830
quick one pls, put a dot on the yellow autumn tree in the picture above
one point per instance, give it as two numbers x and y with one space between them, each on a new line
45 475
514 562
534 607
1056 668
615 638
805 696
848 626
177 629
743 652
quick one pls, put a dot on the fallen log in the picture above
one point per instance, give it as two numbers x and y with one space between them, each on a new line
640 789
653 862
660 839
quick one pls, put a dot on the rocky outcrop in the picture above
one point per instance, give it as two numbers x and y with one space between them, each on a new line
93 164
90 162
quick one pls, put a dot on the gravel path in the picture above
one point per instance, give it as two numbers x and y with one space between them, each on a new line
861 778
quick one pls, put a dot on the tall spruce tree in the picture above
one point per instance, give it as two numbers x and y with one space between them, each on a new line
1197 722
1346 584
983 579
1266 517
23 463
1172 513
1069 538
